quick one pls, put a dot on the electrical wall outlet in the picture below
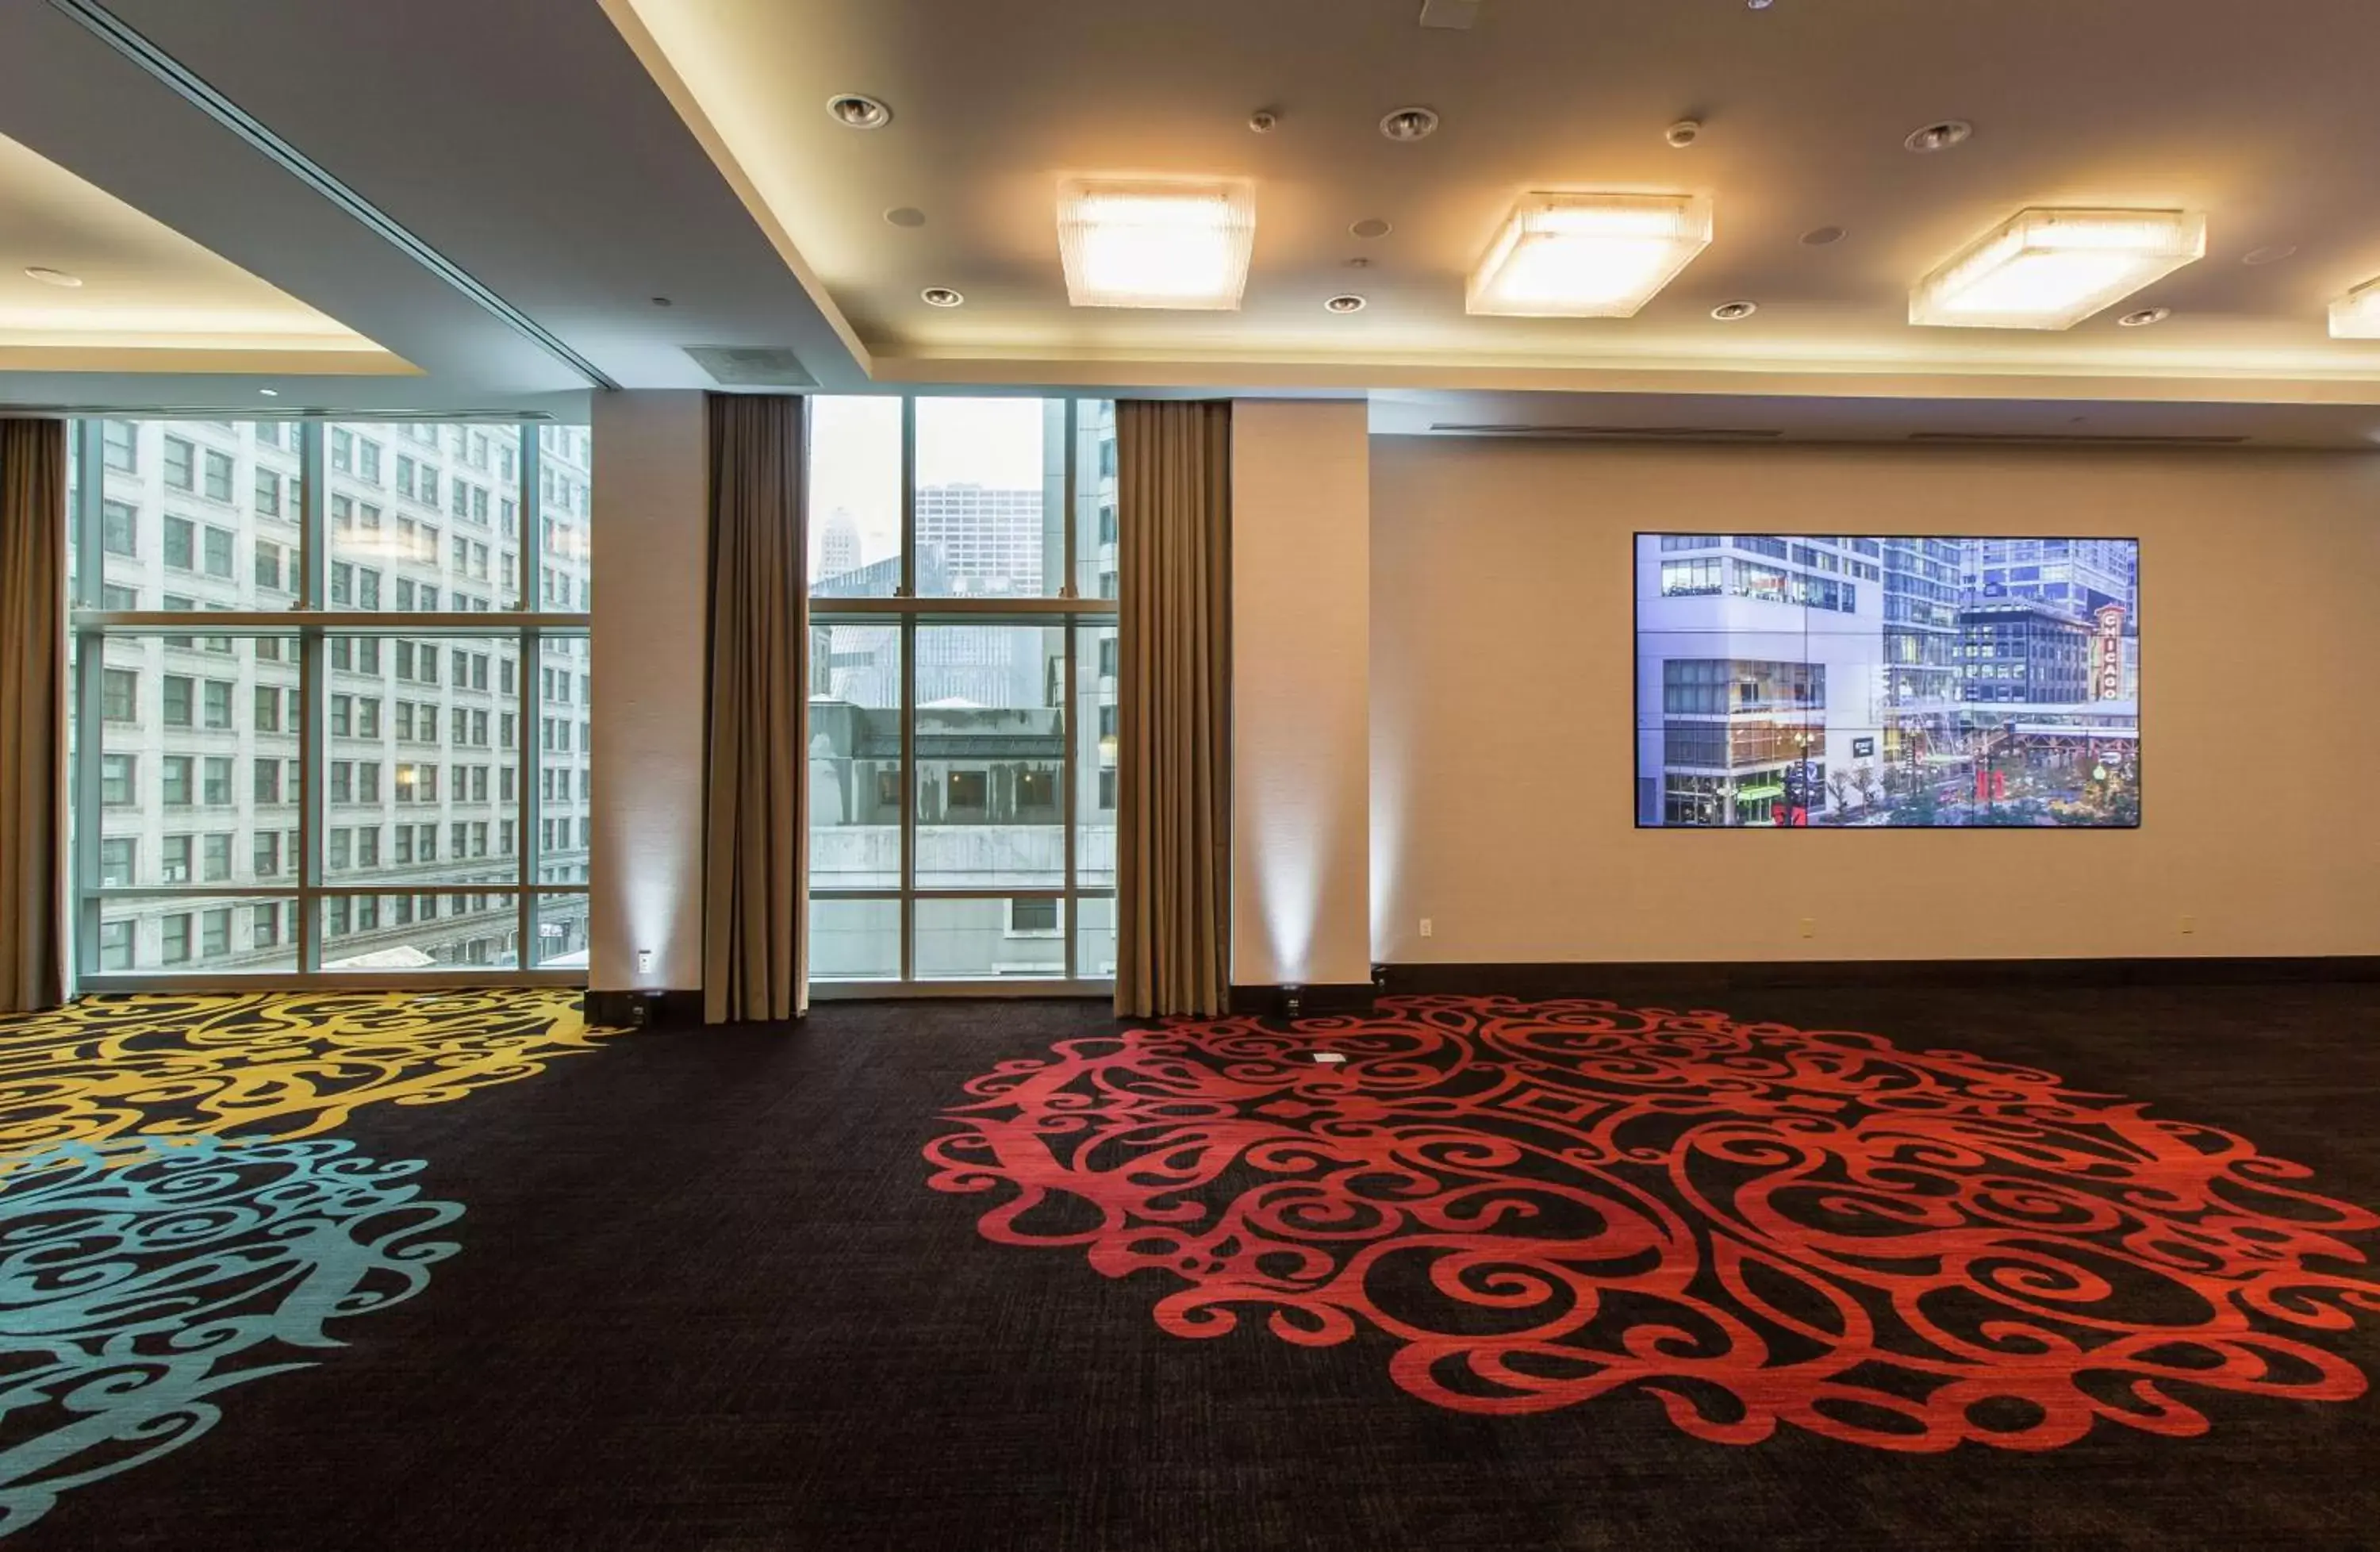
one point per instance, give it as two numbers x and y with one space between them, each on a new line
1426 927
1809 926
644 961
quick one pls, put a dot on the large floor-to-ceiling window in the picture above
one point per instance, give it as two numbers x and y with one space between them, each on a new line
962 695
331 702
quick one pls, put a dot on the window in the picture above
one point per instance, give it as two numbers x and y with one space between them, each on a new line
990 855
221 718
1032 918
120 527
119 691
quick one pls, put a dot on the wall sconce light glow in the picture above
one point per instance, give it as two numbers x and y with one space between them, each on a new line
2357 314
2051 269
1588 255
1155 243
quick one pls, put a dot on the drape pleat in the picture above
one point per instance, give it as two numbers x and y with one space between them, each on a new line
755 827
1174 511
32 713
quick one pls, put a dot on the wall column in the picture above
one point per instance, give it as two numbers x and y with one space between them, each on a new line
1301 648
651 505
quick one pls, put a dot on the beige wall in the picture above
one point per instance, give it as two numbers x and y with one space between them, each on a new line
1301 586
1501 678
650 494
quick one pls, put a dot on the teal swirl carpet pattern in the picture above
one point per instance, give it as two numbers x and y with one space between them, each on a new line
175 1223
138 1283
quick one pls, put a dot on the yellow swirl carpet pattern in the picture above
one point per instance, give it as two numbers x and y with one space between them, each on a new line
265 1065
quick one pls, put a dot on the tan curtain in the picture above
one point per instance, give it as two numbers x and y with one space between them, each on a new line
32 713
755 842
1173 772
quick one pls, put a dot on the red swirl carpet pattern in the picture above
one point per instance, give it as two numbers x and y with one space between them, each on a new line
1539 1204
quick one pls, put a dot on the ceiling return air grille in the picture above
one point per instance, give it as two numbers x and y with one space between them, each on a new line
2057 439
1605 433
749 366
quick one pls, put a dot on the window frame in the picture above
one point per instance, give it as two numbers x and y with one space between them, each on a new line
305 505
1065 607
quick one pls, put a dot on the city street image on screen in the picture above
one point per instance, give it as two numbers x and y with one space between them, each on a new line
1789 680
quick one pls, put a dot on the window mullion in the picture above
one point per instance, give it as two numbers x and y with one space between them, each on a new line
313 686
91 669
527 647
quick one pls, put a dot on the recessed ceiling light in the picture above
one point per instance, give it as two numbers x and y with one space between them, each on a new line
2357 314
1939 136
1822 236
48 276
940 295
2051 269
856 109
1348 303
1371 226
663 301
906 215
2144 317
2271 253
270 392
1264 121
1759 4
1588 255
1683 133
1359 262
1155 243
1730 312
1409 124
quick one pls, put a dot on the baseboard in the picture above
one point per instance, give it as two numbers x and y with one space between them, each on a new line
642 1009
1353 997
1587 978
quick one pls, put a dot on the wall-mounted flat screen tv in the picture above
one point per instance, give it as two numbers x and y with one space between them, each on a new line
1788 681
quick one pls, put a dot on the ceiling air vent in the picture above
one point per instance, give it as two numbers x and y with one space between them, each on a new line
2054 439
752 366
1606 433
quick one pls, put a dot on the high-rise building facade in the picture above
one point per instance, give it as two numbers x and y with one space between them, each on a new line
438 756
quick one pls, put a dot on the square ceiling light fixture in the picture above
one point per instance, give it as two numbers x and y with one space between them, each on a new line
1588 255
1155 242
2051 269
2357 314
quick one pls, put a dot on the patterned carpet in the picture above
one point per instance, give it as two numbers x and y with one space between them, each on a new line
1541 1204
166 1235
2023 1268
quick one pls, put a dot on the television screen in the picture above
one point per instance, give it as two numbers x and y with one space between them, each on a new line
1793 680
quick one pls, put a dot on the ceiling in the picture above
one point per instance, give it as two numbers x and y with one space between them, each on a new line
579 160
124 286
1805 105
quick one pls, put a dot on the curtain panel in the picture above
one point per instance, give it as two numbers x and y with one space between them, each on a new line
755 826
1173 510
32 713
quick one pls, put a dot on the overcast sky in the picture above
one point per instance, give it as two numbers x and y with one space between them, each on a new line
855 458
